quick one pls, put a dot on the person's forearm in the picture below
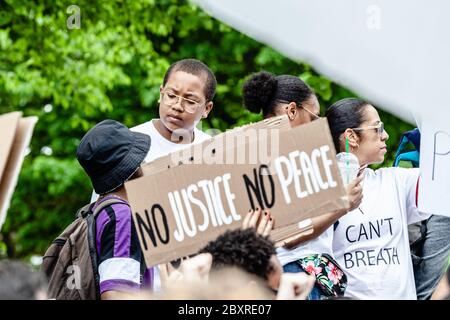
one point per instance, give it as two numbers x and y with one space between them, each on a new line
320 224
323 222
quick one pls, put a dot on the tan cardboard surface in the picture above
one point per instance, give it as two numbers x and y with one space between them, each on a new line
8 125
178 209
23 134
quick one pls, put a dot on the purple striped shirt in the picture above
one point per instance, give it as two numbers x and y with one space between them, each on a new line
119 253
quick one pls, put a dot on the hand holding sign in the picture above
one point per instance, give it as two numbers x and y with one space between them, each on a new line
263 222
354 194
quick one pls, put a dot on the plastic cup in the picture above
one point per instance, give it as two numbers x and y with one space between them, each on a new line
348 165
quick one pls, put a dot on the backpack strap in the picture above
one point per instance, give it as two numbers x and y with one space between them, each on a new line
90 217
84 211
102 205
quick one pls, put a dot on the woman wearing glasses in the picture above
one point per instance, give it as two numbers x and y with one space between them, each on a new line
278 95
371 243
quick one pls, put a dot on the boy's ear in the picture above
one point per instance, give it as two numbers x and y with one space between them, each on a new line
160 93
208 108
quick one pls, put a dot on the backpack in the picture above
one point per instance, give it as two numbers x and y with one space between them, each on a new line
409 149
70 263
408 153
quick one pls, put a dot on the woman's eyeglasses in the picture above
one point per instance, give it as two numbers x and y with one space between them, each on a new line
379 127
169 98
315 116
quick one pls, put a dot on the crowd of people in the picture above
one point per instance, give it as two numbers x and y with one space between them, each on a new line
362 252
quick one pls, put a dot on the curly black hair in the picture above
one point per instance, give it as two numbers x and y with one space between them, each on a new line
197 68
263 90
242 248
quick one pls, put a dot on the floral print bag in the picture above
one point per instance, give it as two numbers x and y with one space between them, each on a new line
329 275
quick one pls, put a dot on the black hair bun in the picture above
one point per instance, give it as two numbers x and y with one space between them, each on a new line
259 91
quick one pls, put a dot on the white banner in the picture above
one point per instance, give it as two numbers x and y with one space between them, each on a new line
395 53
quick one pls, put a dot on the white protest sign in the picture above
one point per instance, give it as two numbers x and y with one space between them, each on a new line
434 187
394 53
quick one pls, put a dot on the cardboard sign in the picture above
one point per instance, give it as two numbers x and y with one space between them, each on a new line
434 188
15 133
190 197
8 125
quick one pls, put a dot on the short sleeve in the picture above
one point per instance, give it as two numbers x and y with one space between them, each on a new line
119 254
409 180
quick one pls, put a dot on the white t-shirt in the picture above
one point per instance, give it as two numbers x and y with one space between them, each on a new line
159 147
371 243
321 244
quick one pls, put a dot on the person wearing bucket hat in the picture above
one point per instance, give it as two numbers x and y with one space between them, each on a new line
108 161
111 154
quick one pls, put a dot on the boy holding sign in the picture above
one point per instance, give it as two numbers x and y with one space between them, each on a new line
186 96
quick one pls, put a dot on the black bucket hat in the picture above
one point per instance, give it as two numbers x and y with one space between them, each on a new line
110 153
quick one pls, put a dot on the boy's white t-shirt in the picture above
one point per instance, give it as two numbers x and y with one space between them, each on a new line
159 147
321 244
372 245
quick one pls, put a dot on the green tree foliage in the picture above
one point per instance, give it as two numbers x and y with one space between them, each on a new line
112 67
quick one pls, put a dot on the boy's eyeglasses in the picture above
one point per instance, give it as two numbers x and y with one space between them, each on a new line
379 127
169 98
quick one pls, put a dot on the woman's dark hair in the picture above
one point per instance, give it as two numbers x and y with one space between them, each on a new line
344 114
263 90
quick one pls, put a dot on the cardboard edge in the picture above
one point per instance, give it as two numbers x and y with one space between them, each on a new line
7 142
16 157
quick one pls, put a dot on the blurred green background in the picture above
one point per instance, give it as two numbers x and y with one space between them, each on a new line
112 67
